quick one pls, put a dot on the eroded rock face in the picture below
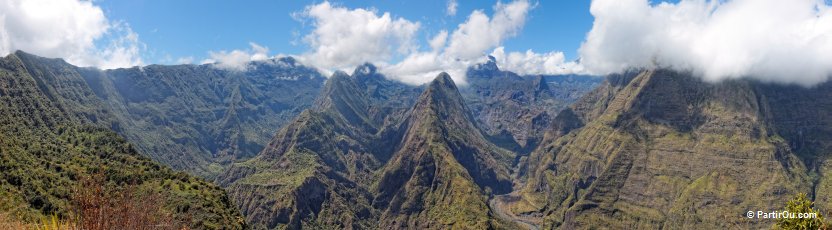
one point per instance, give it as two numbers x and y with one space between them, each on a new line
200 118
376 163
515 111
658 148
317 171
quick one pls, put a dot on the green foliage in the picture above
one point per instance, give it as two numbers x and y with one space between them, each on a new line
52 135
802 204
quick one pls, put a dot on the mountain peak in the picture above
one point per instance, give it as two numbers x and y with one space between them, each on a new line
443 80
339 74
443 96
488 66
443 159
28 56
365 69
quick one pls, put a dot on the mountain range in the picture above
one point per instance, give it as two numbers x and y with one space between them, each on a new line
278 145
292 148
373 150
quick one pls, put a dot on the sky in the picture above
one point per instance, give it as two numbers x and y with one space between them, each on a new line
783 41
188 28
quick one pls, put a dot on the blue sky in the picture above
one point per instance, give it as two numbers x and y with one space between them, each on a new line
788 41
176 29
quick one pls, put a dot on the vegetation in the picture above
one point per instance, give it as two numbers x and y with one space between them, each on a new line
195 118
52 137
658 148
327 167
802 204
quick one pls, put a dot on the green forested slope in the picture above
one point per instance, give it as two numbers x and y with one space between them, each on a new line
53 133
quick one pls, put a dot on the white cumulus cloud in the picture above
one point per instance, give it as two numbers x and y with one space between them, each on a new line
343 38
467 45
480 33
529 62
770 40
67 29
237 59
438 41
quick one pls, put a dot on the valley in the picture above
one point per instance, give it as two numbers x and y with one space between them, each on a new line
516 114
372 119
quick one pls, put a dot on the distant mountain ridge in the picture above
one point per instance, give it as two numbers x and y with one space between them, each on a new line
515 110
200 118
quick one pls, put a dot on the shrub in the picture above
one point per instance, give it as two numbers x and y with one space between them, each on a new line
802 204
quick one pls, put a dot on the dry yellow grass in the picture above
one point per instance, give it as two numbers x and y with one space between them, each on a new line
50 223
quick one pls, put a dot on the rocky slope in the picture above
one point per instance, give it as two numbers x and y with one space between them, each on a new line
371 153
317 170
515 111
444 169
662 149
201 118
55 131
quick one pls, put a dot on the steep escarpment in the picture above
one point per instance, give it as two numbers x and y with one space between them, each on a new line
54 131
802 117
442 173
658 148
371 153
515 111
192 118
199 118
318 169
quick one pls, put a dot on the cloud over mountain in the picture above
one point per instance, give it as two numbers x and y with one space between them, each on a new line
467 44
238 59
343 38
77 31
770 40
529 62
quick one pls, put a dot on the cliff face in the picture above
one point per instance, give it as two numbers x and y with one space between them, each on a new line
54 131
514 111
201 118
358 159
801 116
317 170
660 148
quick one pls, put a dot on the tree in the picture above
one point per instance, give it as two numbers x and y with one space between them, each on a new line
801 204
